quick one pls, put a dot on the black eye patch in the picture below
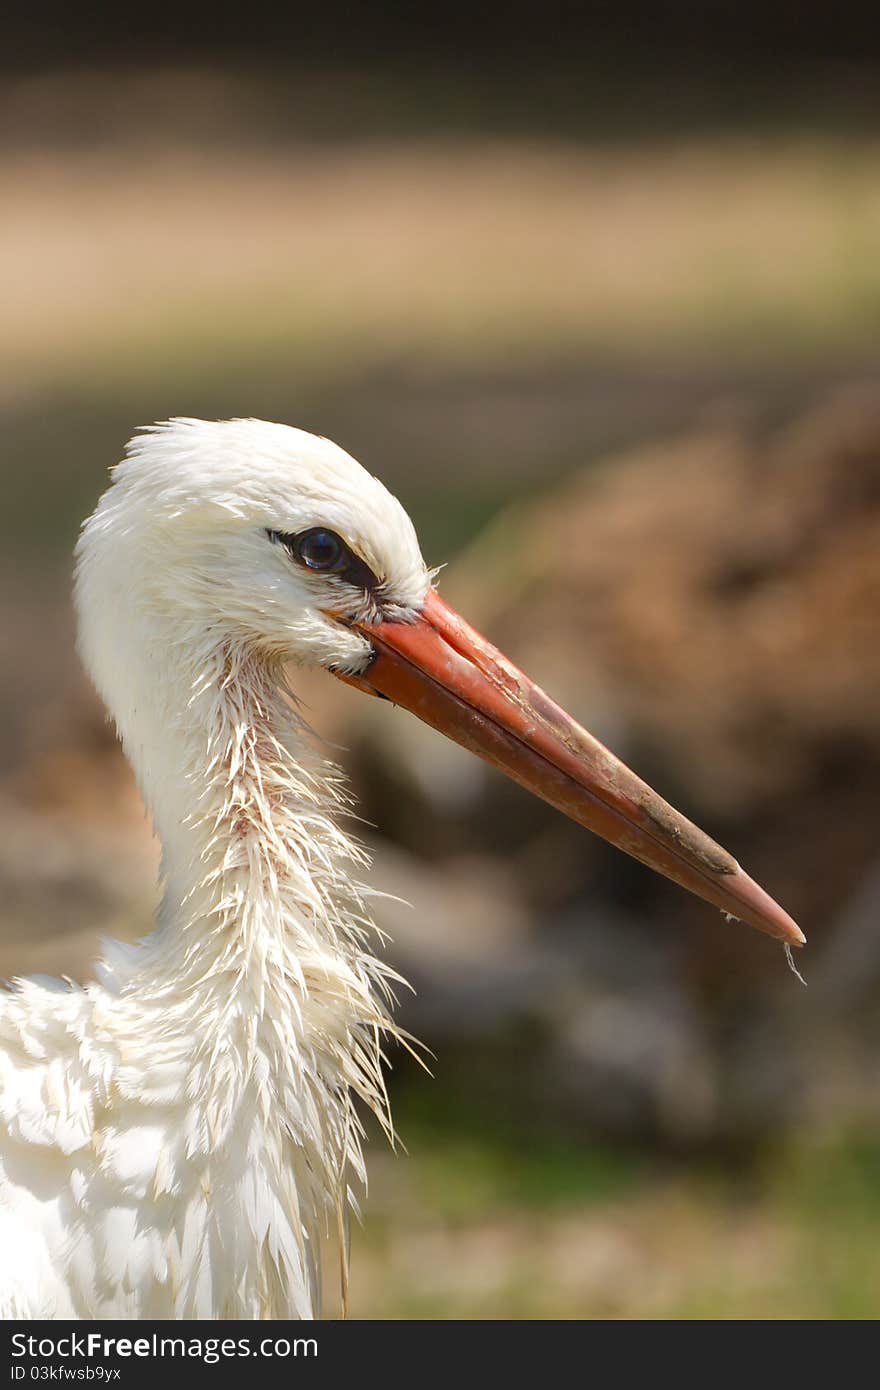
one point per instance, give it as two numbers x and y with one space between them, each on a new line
324 552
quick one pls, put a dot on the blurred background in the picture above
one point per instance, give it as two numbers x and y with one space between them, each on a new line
598 295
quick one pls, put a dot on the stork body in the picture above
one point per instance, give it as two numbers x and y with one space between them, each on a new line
177 1136
176 1139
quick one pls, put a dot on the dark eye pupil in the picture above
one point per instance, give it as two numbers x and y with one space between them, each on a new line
321 550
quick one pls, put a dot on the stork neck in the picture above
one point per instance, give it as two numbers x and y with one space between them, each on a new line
244 805
263 993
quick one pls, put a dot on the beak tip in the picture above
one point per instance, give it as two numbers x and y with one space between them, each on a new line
758 909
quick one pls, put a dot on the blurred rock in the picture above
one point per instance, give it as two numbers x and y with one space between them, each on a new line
713 603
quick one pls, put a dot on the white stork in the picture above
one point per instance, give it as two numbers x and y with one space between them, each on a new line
176 1138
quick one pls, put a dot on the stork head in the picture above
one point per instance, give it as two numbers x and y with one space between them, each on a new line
254 533
261 535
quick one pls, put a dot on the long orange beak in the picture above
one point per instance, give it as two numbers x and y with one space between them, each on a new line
446 673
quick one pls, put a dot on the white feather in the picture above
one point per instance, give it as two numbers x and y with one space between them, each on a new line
175 1139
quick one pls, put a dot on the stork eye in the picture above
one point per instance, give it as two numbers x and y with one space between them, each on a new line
326 553
321 550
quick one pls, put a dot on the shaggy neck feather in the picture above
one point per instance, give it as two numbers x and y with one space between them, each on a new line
259 975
